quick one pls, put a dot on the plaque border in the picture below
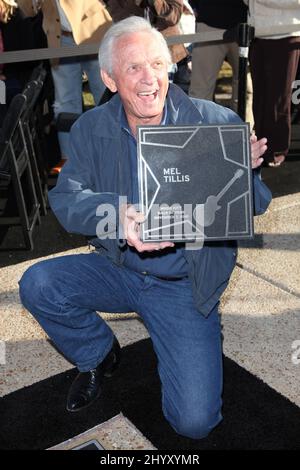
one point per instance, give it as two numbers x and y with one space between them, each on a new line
142 179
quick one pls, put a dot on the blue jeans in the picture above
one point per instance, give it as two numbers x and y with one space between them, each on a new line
63 295
67 78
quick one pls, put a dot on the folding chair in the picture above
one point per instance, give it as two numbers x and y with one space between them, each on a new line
15 164
31 129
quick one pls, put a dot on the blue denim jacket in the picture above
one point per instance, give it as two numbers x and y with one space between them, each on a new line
98 172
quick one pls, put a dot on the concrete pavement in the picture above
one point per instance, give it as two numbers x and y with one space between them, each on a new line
260 309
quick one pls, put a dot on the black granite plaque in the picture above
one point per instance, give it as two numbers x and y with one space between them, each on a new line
195 182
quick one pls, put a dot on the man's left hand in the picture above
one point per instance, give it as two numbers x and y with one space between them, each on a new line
131 220
258 148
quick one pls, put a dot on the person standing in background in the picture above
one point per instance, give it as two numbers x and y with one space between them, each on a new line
207 59
70 23
15 75
164 15
273 62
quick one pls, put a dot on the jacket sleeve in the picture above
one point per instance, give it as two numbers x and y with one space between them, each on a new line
78 207
262 194
167 10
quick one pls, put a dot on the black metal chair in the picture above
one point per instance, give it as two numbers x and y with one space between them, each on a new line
32 131
65 121
16 173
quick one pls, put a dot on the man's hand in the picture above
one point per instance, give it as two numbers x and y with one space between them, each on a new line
258 148
131 220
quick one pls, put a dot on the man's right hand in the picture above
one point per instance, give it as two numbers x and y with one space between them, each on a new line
131 220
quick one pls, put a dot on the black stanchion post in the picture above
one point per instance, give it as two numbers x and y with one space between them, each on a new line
245 36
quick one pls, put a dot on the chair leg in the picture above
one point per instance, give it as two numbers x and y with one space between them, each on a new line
35 170
28 239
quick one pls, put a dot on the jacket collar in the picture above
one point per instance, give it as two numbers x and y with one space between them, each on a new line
181 111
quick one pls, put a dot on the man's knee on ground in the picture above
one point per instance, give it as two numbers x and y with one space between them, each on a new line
32 283
196 424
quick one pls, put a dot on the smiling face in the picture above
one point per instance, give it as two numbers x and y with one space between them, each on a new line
140 76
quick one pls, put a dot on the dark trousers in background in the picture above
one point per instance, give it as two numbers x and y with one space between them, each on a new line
273 65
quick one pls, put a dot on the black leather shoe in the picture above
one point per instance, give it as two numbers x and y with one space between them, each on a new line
87 385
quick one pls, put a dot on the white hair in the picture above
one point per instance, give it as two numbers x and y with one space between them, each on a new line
133 24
